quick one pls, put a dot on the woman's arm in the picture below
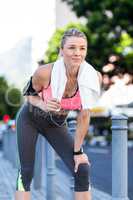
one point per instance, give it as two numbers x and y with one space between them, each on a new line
83 120
41 77
40 80
37 101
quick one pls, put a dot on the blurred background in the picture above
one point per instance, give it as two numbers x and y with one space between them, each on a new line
30 36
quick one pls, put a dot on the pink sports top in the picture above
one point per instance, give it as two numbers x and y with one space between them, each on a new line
70 103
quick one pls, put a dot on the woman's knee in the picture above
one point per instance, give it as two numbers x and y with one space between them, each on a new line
82 178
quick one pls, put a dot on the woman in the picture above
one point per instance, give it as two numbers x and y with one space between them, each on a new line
52 92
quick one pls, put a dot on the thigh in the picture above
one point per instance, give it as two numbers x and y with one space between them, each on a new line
26 136
63 144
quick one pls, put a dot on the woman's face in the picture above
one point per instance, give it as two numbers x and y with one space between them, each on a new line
74 51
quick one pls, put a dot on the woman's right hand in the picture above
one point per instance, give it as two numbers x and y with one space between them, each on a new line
52 105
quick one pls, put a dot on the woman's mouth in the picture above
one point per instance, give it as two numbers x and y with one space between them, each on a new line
76 59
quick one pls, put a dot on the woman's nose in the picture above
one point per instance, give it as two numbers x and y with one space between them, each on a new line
77 52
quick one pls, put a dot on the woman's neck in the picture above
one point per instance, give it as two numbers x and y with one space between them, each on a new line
72 72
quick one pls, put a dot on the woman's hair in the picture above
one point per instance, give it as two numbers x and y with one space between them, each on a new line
73 32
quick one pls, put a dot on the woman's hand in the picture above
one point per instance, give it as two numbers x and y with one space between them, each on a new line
78 159
53 105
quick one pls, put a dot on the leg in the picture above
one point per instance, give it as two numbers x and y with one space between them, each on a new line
22 195
63 144
26 138
83 195
82 184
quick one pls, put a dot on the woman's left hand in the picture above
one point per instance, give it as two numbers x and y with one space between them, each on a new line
78 159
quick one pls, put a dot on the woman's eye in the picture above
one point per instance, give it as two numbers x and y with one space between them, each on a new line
82 48
74 48
71 47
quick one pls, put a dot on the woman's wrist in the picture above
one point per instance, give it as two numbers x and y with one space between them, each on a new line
37 101
42 105
78 152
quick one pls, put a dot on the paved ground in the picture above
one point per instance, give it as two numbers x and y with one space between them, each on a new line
62 185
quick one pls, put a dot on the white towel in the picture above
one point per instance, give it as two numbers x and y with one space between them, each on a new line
88 82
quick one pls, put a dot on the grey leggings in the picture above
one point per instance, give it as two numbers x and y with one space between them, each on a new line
31 121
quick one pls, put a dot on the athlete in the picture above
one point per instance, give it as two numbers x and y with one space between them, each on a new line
54 90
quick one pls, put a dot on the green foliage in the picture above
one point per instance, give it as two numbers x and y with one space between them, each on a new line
54 43
13 100
3 88
10 99
106 21
126 41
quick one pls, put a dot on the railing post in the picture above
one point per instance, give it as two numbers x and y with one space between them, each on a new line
5 144
10 147
119 158
13 148
40 177
50 172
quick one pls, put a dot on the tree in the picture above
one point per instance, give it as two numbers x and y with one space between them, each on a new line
10 99
3 88
106 22
14 100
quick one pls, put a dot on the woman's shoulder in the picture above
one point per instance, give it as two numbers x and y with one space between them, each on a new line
42 75
45 67
44 70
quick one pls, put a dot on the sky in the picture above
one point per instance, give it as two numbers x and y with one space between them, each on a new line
26 18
